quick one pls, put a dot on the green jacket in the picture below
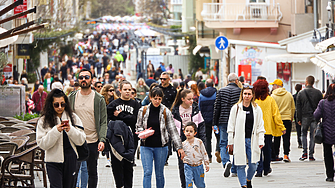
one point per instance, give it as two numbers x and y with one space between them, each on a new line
100 113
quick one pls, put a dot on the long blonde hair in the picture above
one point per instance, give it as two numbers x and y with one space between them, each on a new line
104 92
253 95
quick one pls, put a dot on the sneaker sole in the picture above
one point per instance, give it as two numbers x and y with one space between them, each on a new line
286 160
227 170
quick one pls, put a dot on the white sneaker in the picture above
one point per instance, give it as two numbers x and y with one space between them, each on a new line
108 164
227 168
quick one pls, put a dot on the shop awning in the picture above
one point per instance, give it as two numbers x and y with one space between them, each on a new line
290 58
326 61
324 44
7 41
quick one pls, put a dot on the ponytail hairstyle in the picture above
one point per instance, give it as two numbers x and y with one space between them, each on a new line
181 94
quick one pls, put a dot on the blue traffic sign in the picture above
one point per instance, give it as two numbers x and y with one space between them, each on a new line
221 42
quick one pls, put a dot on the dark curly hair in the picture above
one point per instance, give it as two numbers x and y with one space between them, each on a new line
330 94
49 113
261 88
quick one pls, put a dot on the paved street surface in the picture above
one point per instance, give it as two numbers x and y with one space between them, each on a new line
289 175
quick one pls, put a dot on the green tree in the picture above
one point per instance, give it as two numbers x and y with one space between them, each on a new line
196 60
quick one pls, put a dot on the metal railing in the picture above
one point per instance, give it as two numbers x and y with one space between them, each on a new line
176 2
240 11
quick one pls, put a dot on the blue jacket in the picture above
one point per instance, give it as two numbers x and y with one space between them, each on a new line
206 104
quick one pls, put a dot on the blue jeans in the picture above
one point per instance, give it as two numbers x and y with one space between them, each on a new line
242 177
194 174
158 156
82 175
223 143
265 159
308 122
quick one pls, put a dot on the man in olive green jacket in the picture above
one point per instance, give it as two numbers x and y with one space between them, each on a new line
90 106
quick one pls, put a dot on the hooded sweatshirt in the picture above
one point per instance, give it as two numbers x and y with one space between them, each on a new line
206 103
285 103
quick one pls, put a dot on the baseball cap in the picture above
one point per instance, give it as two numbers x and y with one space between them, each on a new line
277 82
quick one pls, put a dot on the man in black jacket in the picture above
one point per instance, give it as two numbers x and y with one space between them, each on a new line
206 103
307 101
226 97
170 92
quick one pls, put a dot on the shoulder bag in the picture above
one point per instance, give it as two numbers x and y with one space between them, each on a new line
82 150
318 132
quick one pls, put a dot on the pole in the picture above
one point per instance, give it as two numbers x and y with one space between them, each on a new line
11 6
315 13
33 10
25 31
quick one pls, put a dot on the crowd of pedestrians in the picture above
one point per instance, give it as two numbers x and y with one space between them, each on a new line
248 122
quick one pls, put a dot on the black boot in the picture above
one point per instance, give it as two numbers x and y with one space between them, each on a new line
249 184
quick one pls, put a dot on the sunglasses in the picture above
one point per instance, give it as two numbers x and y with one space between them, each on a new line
82 77
56 105
111 90
97 86
163 78
248 86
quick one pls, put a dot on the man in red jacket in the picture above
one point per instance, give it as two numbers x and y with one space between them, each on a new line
39 97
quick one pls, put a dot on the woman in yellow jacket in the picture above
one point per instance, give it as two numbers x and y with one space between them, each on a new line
272 123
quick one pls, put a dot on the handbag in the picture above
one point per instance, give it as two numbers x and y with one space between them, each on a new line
145 133
318 132
82 150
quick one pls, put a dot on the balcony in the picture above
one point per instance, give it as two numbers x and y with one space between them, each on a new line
176 2
241 15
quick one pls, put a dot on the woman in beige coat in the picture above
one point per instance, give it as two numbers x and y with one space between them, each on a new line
246 135
57 135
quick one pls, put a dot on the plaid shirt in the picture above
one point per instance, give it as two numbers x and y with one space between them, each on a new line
168 128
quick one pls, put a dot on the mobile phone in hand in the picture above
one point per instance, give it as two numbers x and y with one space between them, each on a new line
65 122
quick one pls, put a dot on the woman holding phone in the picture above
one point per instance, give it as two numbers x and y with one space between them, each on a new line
57 135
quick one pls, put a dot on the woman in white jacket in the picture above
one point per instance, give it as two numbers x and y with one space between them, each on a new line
246 135
58 137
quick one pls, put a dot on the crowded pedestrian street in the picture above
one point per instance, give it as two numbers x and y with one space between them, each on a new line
296 174
167 93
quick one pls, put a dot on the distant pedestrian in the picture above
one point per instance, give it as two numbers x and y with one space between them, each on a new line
307 101
298 88
38 98
206 103
286 106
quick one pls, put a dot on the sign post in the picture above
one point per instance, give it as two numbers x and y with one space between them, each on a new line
222 43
